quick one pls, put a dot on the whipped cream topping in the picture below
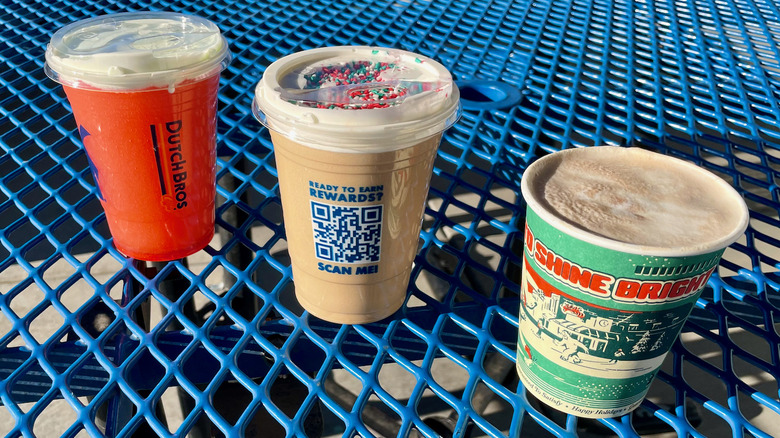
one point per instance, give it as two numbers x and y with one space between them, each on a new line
136 50
356 98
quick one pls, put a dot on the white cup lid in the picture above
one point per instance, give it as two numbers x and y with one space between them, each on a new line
135 50
357 98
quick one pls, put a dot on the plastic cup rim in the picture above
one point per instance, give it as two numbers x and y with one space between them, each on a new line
134 81
355 138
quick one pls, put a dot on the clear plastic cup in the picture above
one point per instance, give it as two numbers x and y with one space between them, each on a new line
143 88
355 133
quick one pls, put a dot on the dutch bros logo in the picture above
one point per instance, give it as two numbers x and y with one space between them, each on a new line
83 133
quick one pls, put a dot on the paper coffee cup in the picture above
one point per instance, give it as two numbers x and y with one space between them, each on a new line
355 133
619 243
143 88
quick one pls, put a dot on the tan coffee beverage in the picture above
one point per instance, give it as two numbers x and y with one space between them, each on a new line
384 194
355 133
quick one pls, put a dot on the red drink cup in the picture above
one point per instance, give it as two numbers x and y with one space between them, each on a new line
143 88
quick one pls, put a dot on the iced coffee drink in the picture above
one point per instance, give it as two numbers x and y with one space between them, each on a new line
355 132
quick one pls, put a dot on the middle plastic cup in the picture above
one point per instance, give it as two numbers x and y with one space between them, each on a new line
355 133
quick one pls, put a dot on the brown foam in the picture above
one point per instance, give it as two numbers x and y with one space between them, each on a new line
637 197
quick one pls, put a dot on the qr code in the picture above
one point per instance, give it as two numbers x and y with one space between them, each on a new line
346 234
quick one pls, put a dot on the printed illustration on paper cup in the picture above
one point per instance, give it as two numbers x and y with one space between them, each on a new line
581 332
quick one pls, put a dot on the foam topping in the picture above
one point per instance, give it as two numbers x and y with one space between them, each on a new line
363 85
346 83
138 49
314 94
637 197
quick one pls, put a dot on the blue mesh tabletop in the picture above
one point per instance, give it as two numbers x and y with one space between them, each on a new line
94 344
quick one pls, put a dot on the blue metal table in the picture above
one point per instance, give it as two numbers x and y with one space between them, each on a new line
697 79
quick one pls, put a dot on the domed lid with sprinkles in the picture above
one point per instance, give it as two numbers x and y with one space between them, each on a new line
357 98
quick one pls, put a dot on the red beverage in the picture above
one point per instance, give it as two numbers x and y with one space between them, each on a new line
143 88
153 158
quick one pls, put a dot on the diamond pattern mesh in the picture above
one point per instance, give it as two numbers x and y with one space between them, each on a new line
96 343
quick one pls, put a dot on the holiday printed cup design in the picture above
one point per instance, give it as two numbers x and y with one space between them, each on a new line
595 323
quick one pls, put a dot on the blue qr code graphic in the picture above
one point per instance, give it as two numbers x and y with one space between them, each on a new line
345 234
